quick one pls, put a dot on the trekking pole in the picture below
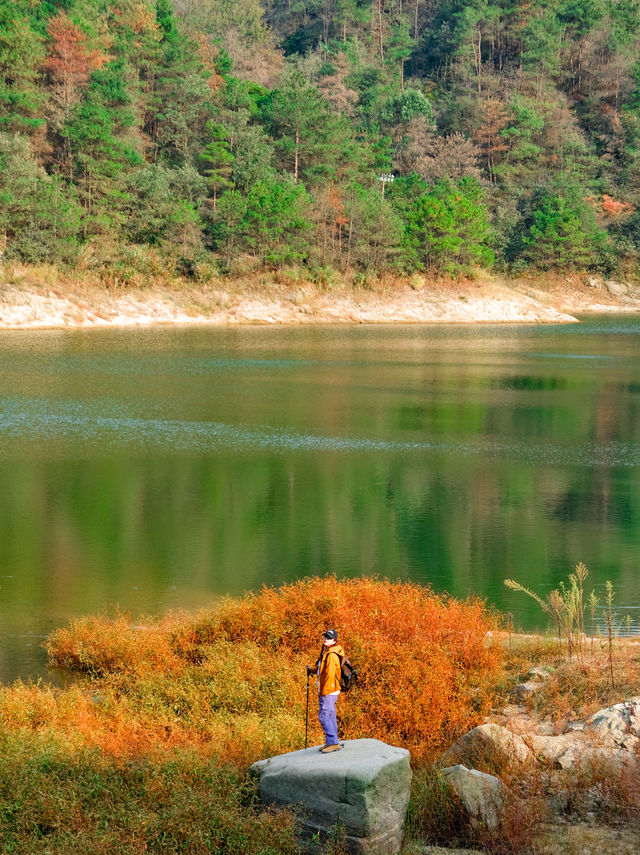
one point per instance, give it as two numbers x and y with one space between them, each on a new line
306 721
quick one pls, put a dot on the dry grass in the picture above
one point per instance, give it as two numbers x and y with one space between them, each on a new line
435 816
586 839
54 801
576 688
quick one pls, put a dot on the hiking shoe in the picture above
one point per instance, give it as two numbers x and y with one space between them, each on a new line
327 749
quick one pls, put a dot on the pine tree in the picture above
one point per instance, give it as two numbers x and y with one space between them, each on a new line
21 55
218 161
298 119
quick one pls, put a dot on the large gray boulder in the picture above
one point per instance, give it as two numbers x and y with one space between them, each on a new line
488 745
609 737
364 787
561 752
617 726
480 795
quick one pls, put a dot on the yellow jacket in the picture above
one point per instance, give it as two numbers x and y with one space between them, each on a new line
329 670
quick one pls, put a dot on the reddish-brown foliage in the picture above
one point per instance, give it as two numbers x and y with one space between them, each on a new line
235 676
70 62
337 207
613 208
207 54
101 646
489 136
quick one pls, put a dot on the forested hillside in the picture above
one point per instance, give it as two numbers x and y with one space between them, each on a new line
211 136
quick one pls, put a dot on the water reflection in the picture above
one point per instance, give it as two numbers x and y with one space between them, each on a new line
149 470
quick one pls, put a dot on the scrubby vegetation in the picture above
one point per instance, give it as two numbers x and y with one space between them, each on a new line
57 800
598 802
202 137
577 689
232 680
147 749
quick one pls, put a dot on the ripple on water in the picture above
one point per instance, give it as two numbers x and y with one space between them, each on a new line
77 422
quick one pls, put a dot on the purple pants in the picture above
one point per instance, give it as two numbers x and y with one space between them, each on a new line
327 718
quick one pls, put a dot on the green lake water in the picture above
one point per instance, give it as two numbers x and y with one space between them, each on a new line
149 470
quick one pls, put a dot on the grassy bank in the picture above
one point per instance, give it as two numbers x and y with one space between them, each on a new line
55 799
147 750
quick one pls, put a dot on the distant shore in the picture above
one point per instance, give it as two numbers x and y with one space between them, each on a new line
36 302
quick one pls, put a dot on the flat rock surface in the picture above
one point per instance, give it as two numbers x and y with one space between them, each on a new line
584 839
363 758
441 850
578 839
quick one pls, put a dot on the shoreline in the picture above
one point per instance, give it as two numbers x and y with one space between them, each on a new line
31 300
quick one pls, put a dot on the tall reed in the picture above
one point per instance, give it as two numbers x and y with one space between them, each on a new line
565 606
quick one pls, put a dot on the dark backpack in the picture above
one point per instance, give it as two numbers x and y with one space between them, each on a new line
348 674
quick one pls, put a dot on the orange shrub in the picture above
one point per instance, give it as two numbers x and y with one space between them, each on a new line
614 208
99 645
234 677
419 655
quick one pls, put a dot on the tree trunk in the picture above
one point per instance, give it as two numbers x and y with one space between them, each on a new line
580 52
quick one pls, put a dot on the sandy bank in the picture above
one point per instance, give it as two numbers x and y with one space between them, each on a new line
29 304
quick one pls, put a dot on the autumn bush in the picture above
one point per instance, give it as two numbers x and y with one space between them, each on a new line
147 748
232 679
164 716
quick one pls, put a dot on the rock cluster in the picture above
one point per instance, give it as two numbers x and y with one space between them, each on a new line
363 788
608 739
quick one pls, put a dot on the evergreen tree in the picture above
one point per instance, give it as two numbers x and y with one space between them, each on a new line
154 214
21 55
297 117
557 233
100 149
39 216
165 124
271 222
448 228
218 161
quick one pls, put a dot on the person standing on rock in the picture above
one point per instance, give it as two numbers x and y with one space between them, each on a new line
328 670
